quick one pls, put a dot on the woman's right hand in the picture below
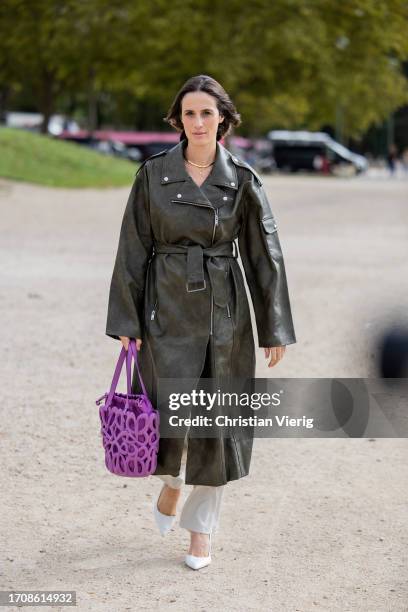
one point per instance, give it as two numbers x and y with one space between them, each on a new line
125 341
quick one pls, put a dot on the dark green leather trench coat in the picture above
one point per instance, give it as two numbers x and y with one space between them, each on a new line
177 285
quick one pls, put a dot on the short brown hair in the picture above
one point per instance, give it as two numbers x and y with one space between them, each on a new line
226 108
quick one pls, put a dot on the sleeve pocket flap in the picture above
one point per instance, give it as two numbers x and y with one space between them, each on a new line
269 225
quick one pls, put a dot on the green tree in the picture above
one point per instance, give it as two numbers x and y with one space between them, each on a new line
287 63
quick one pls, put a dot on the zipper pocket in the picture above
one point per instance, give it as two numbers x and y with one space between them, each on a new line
193 203
215 223
228 311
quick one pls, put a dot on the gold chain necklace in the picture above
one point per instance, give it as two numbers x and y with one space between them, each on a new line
199 165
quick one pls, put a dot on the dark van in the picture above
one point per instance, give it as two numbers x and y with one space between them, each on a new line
314 152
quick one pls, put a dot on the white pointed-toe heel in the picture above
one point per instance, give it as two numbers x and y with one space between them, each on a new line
163 521
197 563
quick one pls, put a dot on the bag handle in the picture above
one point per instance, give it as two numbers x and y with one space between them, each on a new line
126 354
132 346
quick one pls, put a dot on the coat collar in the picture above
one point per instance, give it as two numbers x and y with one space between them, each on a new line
223 172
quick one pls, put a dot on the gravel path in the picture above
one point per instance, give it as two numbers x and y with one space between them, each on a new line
318 525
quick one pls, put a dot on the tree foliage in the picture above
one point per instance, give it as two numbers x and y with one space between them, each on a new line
287 63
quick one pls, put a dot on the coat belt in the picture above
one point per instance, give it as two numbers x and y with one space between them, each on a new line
195 266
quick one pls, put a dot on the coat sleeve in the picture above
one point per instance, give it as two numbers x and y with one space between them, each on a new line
264 268
126 295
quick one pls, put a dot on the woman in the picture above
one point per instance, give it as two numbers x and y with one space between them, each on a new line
177 288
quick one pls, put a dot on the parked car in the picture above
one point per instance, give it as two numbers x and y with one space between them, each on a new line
263 160
117 148
32 121
315 152
138 146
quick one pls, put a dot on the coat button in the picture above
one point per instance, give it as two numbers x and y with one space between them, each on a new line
232 183
179 195
225 198
165 178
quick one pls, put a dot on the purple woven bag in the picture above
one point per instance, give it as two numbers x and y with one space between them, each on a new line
129 424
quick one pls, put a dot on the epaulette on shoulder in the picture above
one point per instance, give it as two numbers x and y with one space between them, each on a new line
243 164
151 157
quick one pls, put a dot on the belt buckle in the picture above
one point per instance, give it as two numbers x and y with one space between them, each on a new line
199 289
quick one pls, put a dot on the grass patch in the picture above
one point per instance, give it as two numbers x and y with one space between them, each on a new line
44 160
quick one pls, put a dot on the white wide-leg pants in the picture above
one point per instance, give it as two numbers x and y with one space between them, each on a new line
201 510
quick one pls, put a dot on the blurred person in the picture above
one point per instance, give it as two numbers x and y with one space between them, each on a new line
394 353
392 159
178 289
251 156
325 165
404 160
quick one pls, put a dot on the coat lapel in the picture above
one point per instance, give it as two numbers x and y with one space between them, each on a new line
223 174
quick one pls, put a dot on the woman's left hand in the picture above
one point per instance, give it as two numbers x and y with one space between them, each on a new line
275 353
